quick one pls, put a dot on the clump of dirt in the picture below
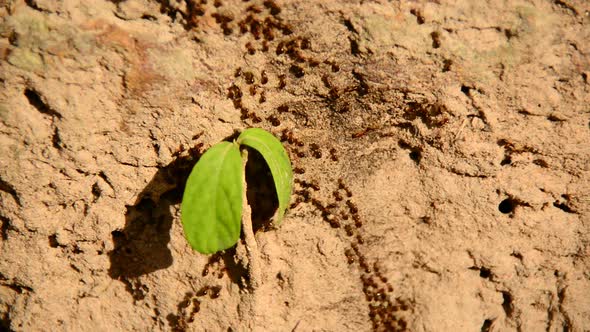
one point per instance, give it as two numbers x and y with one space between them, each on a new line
440 154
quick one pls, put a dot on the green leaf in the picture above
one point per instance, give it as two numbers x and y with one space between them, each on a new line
277 159
211 206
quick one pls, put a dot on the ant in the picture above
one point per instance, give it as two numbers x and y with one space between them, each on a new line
227 30
337 195
335 67
281 48
299 57
215 290
334 223
361 133
180 150
203 291
305 44
262 97
287 135
282 82
255 118
234 92
197 136
343 186
315 151
273 7
253 90
326 81
250 48
357 221
263 77
244 113
313 63
298 200
306 184
249 77
274 120
359 239
268 34
352 207
349 255
315 202
243 27
305 194
333 155
287 29
334 93
332 206
298 170
255 28
254 9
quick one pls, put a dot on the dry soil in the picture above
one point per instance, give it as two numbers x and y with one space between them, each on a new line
441 152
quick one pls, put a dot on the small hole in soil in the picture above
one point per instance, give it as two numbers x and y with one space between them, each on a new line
541 162
447 65
148 17
436 42
510 33
354 47
487 324
465 89
506 161
349 26
416 156
485 272
419 17
507 303
36 101
507 206
53 241
563 206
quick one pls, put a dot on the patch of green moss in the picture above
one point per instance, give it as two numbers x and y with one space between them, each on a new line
26 59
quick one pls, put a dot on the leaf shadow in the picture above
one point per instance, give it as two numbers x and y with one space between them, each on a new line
141 247
260 192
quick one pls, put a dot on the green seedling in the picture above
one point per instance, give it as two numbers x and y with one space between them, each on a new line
214 197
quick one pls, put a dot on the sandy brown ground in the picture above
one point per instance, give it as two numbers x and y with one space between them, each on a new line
441 150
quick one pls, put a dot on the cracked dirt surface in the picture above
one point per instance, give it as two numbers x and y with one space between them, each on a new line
441 153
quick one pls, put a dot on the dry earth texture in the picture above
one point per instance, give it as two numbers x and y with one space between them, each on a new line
441 152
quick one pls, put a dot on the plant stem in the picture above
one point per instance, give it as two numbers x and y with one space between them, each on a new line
248 308
251 245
